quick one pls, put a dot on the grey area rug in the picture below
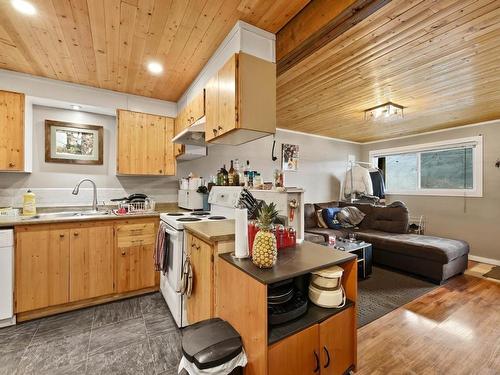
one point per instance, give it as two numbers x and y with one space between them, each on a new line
385 291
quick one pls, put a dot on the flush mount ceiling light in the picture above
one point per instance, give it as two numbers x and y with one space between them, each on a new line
155 67
76 107
24 7
387 111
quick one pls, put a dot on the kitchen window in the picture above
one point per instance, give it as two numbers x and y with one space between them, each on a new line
450 168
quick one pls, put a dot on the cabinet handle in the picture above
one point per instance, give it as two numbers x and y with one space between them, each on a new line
12 165
327 357
61 235
123 253
220 127
137 241
317 362
76 234
215 131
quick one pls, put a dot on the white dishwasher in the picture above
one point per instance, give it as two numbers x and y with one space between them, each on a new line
7 278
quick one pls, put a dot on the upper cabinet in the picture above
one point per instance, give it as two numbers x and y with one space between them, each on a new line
12 130
191 113
240 101
145 144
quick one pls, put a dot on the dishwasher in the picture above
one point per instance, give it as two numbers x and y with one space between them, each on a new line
7 317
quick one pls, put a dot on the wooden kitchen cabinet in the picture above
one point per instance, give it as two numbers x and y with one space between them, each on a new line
41 267
297 354
135 244
192 112
326 348
91 262
240 101
200 305
12 130
145 144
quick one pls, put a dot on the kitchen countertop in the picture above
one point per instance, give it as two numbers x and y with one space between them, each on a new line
6 221
306 257
212 231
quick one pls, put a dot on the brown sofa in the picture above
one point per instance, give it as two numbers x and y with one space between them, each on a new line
386 228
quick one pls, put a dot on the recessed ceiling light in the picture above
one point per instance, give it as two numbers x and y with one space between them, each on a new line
155 67
76 107
23 6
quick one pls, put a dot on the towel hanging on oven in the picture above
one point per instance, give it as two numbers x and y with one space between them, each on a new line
162 248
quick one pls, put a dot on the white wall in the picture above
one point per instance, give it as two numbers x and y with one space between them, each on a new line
53 182
475 220
322 162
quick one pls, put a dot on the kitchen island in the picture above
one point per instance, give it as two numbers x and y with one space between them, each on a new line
321 341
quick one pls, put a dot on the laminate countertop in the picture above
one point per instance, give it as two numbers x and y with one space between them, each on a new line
212 231
306 257
12 221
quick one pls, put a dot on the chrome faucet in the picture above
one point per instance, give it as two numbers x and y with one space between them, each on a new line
94 200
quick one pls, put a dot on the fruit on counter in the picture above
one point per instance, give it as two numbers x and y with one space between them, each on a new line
265 251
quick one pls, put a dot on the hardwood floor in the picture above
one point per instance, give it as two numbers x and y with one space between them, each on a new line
455 329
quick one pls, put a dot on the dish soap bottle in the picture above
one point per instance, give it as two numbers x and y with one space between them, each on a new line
29 203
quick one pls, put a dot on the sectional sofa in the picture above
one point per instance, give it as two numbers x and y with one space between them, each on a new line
386 228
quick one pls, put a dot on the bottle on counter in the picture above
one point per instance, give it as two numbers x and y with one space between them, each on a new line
225 176
29 203
231 175
220 178
239 173
246 169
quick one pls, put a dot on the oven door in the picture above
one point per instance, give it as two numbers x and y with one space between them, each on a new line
170 281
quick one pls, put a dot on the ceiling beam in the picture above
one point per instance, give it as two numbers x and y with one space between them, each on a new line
316 25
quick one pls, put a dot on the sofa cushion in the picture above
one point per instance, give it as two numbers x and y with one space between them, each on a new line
392 219
442 250
365 208
309 216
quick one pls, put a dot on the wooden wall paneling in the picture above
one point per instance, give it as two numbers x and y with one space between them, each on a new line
242 301
12 130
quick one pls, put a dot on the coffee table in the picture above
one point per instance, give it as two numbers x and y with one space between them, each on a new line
362 249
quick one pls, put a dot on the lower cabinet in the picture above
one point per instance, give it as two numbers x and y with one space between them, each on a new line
324 348
61 265
200 305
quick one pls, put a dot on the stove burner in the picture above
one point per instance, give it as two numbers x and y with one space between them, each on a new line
175 214
189 219
217 218
200 213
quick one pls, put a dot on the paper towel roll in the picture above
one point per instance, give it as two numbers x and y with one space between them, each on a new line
241 233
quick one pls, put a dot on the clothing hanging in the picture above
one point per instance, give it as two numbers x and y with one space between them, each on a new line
378 184
360 180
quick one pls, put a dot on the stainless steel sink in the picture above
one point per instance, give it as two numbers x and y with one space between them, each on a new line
67 214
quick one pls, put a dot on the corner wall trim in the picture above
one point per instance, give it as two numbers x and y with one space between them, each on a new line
476 258
318 136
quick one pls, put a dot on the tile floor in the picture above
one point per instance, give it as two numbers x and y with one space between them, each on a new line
133 336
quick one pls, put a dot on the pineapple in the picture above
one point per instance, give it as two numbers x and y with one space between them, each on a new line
264 251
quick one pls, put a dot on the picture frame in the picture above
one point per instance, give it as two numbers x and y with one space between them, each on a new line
71 143
289 157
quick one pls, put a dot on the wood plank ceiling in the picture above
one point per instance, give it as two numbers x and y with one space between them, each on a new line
108 43
438 58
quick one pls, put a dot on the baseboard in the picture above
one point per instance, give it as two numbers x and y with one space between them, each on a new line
475 258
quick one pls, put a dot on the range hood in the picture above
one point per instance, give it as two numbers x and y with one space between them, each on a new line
192 135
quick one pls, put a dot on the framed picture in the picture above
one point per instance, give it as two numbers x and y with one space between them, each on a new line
289 157
66 142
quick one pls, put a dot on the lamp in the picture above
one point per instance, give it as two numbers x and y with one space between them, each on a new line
386 111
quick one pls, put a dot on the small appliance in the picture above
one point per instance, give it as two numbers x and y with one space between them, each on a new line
325 288
190 200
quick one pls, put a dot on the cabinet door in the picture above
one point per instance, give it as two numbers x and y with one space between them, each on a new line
201 302
170 162
197 107
12 130
337 343
91 262
141 143
297 354
41 267
212 108
134 257
228 95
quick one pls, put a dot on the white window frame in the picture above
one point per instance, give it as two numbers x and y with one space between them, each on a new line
477 165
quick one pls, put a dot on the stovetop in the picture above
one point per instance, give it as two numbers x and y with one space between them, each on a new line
177 219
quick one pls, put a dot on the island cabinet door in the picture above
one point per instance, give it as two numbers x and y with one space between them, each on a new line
200 305
337 343
297 354
91 262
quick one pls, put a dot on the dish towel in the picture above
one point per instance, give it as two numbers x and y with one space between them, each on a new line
162 248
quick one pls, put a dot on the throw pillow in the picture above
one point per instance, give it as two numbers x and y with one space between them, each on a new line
350 216
319 219
330 217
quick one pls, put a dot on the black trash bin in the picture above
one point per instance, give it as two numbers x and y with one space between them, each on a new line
210 344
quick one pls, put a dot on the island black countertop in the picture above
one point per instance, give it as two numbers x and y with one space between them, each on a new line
292 262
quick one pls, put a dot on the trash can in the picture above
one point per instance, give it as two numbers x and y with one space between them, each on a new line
212 346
